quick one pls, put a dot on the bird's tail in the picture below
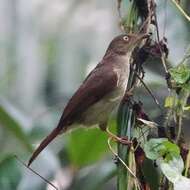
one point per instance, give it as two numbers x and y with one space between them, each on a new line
44 143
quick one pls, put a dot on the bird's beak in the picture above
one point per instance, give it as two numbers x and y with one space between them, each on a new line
137 38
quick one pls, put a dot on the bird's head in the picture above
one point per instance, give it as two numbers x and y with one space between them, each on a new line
125 43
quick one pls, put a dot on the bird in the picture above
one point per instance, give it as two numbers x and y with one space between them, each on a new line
101 91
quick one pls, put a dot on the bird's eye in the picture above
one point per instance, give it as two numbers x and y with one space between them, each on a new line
126 38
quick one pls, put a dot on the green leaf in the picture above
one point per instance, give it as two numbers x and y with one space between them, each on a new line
141 133
10 174
169 102
86 146
187 87
11 124
168 157
161 148
180 74
172 169
182 183
172 150
154 148
186 108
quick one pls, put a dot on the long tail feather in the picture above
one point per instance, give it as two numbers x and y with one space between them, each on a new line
44 143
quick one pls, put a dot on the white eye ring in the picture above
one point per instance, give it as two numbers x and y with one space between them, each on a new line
126 38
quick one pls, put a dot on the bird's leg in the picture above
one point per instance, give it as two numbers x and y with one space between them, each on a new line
122 140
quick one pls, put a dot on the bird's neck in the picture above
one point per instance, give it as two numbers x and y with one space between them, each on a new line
115 56
116 52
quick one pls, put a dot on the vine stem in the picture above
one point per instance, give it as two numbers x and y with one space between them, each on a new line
125 116
117 156
180 115
187 164
181 10
33 171
137 184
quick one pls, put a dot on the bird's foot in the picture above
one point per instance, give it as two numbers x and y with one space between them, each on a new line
122 140
129 92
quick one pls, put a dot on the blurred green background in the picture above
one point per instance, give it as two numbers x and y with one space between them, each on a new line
46 50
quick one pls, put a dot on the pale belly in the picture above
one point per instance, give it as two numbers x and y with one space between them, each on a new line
100 111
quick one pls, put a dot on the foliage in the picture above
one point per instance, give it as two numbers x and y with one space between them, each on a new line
165 152
36 91
10 174
168 158
11 124
161 147
180 74
90 148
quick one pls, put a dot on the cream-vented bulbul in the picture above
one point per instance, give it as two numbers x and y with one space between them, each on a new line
101 91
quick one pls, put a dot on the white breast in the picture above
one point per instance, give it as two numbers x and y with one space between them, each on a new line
100 111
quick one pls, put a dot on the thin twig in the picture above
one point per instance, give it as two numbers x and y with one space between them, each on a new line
124 164
165 17
144 26
180 116
113 151
44 179
119 8
141 135
179 127
187 164
147 88
158 38
181 10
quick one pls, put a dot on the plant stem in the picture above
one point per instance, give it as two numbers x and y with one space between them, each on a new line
125 118
187 164
181 10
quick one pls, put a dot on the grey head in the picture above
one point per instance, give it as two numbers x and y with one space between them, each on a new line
125 43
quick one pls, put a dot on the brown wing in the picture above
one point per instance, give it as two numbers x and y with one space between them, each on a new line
100 82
